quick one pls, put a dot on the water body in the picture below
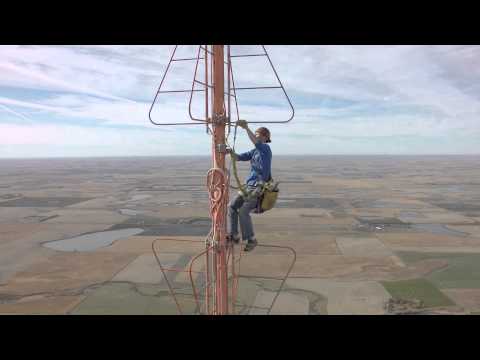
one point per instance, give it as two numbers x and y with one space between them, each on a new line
93 241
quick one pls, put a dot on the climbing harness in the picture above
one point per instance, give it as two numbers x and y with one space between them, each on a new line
267 193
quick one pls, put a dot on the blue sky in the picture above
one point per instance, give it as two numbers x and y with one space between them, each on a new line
94 100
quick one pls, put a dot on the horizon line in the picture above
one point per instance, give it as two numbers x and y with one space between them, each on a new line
209 156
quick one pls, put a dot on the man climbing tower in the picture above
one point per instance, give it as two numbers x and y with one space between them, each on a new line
239 208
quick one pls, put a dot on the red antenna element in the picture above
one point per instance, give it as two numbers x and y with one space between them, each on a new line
219 256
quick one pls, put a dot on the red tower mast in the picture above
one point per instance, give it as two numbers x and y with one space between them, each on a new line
219 212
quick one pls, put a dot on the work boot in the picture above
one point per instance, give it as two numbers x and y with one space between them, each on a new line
233 238
251 244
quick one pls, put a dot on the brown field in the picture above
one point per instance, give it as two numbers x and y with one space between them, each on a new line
373 235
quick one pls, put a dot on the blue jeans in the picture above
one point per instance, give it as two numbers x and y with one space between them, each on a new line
240 209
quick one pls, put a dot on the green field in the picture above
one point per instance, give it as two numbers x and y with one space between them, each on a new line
417 289
463 270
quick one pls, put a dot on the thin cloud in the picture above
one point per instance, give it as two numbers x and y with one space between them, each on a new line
16 113
346 96
59 84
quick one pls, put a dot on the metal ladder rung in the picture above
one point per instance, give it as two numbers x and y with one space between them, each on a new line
208 51
188 59
178 91
247 55
258 87
187 91
191 59
202 83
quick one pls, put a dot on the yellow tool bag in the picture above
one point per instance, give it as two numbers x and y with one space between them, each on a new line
268 198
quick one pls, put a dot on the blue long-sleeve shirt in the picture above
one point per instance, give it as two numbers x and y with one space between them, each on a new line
261 162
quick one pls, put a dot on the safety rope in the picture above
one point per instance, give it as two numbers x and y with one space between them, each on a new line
233 164
241 187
